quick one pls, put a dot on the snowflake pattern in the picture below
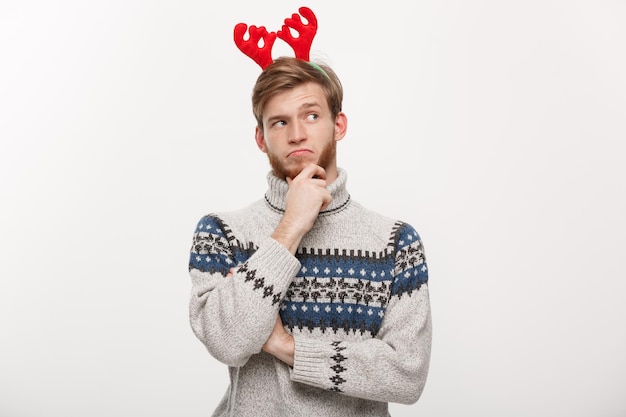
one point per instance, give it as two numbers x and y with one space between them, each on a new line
335 290
410 266
216 250
337 368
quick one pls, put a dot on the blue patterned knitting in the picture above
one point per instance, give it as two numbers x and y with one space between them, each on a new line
334 290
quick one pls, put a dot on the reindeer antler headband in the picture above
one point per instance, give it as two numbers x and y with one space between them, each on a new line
262 55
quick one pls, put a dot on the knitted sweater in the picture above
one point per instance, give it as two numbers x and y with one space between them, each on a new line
354 297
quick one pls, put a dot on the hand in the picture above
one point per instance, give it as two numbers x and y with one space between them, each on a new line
280 343
306 197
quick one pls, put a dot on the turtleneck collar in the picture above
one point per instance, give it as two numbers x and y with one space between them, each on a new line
277 191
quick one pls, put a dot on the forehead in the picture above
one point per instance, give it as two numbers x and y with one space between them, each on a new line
295 99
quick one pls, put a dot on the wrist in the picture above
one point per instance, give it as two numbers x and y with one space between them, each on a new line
283 348
289 235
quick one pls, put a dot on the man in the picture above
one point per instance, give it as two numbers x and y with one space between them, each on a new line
318 306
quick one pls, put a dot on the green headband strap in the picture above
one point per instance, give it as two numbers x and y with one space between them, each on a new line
317 67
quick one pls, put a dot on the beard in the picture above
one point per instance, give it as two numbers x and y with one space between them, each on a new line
282 171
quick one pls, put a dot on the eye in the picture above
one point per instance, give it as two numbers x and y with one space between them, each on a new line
279 123
312 117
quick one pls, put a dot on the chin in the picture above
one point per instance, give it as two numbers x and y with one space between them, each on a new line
283 171
293 172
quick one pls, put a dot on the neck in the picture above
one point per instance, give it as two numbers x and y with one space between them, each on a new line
277 191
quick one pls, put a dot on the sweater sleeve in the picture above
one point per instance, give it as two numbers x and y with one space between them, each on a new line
234 314
393 365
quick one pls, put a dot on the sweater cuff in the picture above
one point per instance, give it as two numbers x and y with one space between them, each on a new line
277 262
309 363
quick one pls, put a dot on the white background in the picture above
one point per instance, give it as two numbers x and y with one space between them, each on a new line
496 128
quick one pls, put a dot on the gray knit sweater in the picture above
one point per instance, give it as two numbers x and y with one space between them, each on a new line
355 299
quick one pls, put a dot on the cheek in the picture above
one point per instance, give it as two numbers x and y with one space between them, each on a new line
272 142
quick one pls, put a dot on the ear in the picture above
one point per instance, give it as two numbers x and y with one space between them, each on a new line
341 126
260 139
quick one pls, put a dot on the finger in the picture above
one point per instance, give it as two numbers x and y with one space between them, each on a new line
319 172
326 201
318 182
311 181
311 171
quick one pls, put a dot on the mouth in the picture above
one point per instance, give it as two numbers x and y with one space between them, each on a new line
299 152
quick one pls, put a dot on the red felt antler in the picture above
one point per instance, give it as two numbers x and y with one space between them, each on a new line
302 44
261 55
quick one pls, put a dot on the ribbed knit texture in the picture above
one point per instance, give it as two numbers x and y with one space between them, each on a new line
355 298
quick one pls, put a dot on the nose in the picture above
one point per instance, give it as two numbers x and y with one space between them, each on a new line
297 132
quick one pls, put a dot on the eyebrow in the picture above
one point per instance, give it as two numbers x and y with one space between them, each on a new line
303 106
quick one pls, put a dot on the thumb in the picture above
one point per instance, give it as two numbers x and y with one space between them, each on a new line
326 203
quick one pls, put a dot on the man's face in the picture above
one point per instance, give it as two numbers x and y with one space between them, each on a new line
298 130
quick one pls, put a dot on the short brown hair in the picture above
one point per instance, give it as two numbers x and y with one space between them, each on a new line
286 73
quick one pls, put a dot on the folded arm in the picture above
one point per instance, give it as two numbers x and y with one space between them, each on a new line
233 313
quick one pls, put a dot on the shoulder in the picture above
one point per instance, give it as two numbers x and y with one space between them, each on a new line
213 224
372 219
223 220
410 265
402 233
405 235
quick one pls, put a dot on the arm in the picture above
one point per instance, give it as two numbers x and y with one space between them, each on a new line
233 314
306 197
393 365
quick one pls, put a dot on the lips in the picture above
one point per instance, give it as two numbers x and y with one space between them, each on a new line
300 152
